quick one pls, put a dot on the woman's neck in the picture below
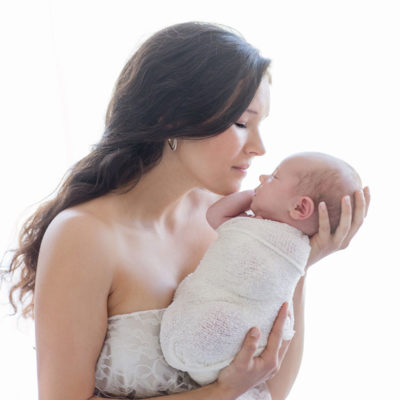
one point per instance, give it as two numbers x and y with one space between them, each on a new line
159 196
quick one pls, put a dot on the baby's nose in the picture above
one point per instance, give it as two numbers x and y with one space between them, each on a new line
263 178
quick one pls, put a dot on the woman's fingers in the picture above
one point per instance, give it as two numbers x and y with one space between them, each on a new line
324 229
323 242
249 347
272 350
361 208
274 343
345 223
246 369
367 196
359 212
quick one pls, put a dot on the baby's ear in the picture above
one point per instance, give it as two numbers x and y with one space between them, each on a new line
303 208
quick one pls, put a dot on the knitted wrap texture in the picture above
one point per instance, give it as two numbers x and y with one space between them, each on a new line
242 281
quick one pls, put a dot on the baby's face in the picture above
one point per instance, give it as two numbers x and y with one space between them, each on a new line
276 192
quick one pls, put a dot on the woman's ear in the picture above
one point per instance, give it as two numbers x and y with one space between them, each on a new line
303 208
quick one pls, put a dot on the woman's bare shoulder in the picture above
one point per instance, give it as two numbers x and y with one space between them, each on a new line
77 231
77 251
80 221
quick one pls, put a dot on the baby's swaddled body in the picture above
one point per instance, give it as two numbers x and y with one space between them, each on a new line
242 281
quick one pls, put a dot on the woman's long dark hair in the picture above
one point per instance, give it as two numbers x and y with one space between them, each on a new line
189 80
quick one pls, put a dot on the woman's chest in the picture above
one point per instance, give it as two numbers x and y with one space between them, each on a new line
150 266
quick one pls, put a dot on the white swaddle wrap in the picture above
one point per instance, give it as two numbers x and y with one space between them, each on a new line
243 279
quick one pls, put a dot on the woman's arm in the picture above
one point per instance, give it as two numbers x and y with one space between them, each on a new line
280 385
73 280
323 243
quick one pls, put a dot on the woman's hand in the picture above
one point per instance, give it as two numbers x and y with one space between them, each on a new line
323 242
246 371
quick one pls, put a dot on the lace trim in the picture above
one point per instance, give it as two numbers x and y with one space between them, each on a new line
127 315
131 364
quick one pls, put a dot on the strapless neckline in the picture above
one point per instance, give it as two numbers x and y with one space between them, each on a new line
134 313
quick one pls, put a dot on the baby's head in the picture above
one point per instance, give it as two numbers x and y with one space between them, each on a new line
291 194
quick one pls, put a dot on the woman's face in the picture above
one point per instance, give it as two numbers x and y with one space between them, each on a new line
219 163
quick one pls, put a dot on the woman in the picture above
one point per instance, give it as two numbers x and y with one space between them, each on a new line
104 257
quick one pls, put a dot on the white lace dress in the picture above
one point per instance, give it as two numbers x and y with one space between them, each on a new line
131 363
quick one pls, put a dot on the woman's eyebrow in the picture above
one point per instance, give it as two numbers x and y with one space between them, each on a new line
252 111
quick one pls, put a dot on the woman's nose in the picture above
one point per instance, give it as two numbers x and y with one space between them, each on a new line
255 145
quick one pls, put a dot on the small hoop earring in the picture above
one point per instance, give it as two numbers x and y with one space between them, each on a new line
173 143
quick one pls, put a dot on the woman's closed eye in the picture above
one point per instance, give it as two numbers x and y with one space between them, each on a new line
238 124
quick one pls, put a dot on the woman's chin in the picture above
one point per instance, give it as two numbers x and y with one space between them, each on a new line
235 187
225 187
227 190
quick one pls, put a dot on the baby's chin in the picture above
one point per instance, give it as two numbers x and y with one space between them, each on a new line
264 214
253 207
258 213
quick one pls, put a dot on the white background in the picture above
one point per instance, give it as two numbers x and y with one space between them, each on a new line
336 89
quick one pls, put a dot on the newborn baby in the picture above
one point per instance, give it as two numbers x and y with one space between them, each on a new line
254 265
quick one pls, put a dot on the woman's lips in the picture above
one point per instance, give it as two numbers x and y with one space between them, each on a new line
242 169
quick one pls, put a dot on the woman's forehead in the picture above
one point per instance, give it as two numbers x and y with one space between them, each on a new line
261 100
